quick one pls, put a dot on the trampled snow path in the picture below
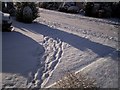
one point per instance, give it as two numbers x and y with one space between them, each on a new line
49 61
51 58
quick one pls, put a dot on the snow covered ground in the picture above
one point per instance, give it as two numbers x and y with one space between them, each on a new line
39 54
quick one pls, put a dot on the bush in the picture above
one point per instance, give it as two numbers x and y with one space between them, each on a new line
100 9
0 6
27 14
76 81
43 4
49 5
26 11
88 8
9 8
116 9
73 9
63 7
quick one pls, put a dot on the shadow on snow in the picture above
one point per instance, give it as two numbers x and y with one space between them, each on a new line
24 63
19 53
72 39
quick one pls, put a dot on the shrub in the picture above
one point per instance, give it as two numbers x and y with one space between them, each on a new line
49 5
27 14
76 81
0 6
88 8
63 7
26 11
43 4
9 8
73 9
116 9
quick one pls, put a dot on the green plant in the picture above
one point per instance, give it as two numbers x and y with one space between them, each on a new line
26 11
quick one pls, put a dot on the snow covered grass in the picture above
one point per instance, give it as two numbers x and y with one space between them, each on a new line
39 54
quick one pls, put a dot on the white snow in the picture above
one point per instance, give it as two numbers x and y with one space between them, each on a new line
0 58
21 56
39 54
